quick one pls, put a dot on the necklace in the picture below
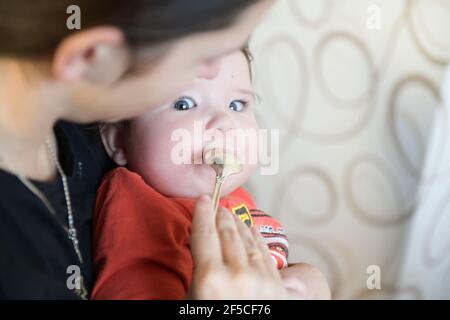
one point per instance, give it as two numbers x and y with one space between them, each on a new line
70 229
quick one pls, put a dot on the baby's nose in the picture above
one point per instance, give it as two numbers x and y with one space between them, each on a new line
220 121
210 69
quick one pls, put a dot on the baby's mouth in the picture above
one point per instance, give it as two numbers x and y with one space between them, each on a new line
218 156
224 162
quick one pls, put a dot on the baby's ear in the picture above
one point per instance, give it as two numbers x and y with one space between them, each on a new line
113 135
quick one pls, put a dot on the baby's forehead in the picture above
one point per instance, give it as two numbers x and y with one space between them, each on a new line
234 71
236 62
233 76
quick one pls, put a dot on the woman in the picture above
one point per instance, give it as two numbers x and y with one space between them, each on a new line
128 57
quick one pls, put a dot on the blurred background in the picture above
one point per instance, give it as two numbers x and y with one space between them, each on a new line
356 89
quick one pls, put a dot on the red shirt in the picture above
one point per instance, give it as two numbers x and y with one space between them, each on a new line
141 238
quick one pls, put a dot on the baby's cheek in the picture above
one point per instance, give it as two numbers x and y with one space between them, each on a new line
248 150
159 172
148 152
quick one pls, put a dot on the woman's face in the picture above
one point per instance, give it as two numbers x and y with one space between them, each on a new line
158 82
212 113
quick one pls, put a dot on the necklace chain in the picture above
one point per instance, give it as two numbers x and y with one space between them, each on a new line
71 230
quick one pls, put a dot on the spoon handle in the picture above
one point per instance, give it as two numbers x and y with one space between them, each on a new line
216 193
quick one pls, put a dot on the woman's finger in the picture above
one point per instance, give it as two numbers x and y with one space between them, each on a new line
233 251
205 244
267 258
254 256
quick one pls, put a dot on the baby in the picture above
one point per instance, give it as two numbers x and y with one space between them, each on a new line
144 208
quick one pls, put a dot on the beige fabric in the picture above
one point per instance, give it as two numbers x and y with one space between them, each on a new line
355 107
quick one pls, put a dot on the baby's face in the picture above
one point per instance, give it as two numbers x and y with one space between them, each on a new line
217 106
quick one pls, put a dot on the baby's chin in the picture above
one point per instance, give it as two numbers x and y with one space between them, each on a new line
199 180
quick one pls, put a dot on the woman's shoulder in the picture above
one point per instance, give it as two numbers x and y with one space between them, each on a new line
84 141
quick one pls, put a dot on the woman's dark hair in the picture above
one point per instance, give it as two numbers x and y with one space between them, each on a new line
29 28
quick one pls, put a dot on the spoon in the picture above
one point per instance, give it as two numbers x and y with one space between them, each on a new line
224 164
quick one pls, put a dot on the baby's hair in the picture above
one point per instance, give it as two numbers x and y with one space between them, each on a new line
249 56
247 53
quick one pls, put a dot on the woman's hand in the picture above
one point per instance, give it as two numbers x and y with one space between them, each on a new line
231 261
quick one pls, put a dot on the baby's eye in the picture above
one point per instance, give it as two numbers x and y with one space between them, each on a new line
184 103
238 105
